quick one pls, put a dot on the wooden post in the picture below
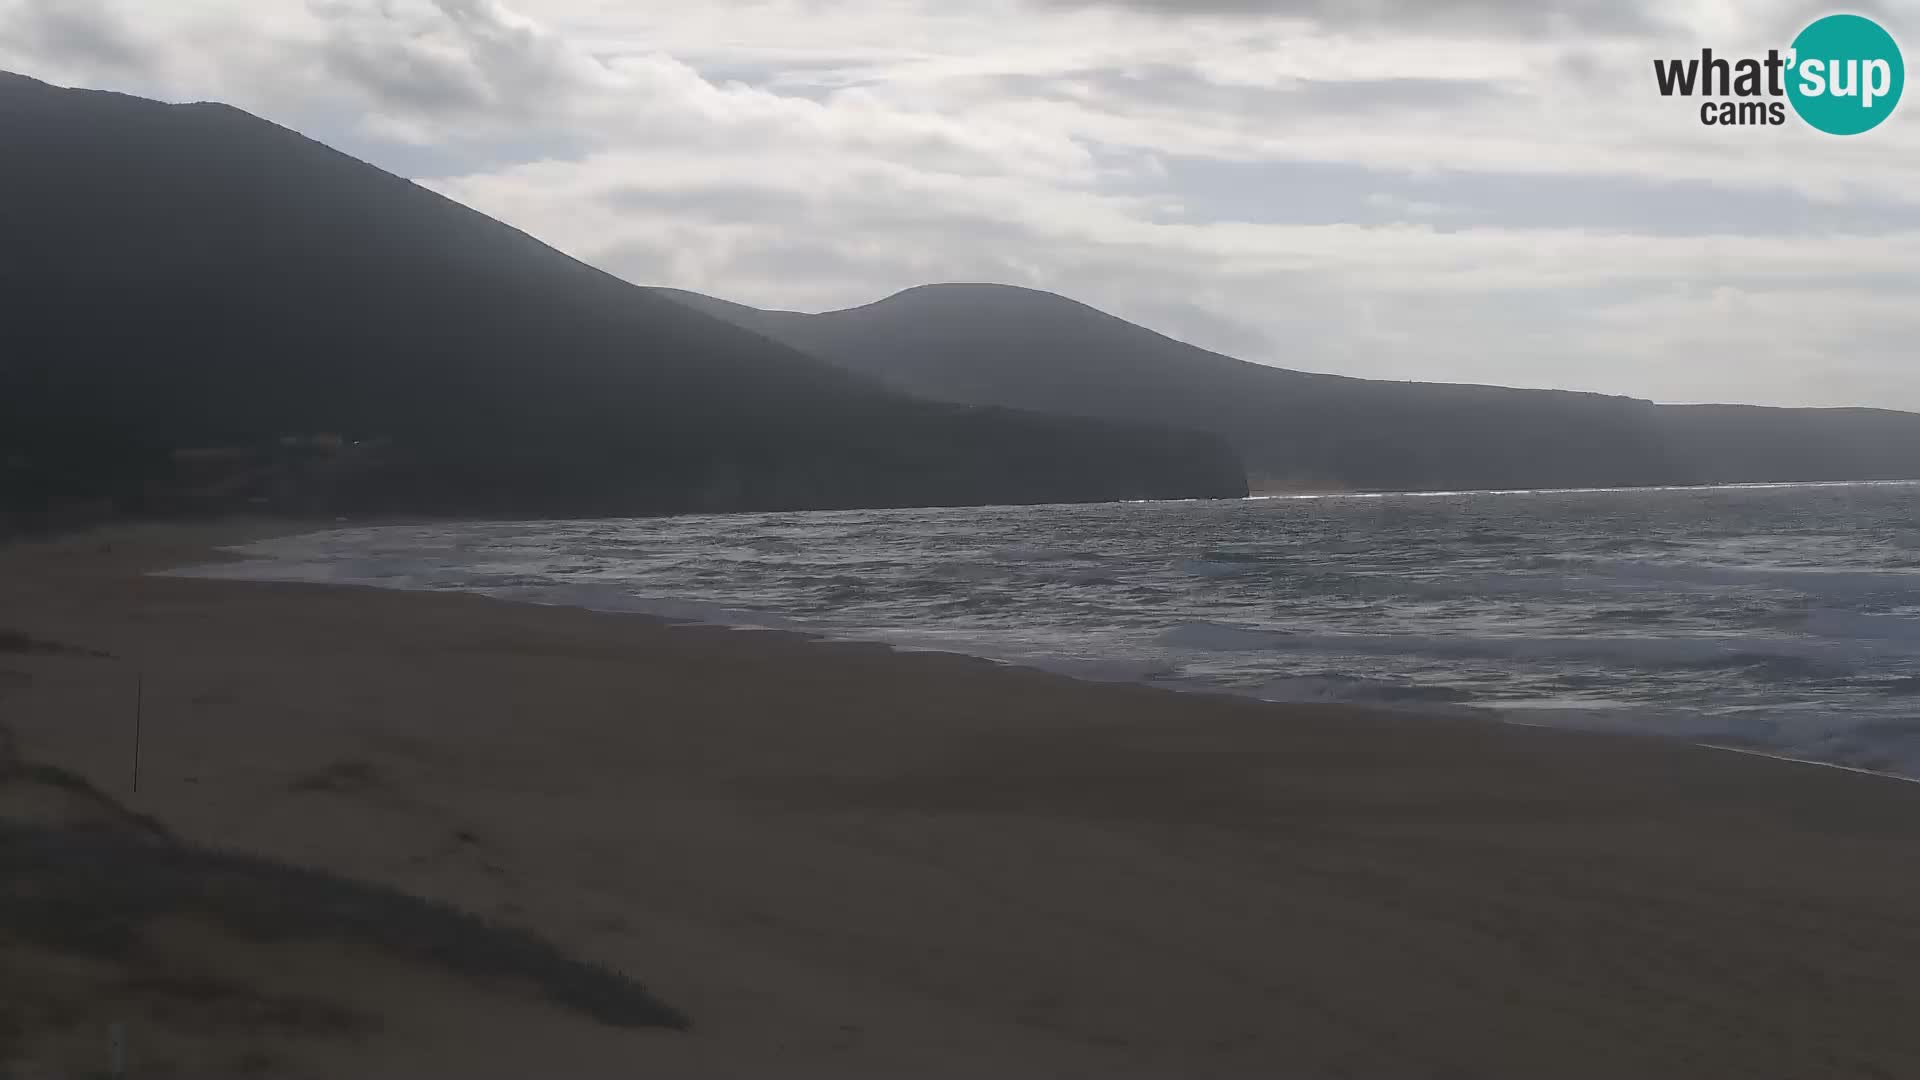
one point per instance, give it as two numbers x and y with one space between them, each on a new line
139 704
117 1050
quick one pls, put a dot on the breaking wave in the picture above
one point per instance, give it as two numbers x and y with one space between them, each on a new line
1783 619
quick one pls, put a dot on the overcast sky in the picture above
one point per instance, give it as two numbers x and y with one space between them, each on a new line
1462 190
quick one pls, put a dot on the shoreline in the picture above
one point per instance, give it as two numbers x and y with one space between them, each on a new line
1487 713
1747 485
841 860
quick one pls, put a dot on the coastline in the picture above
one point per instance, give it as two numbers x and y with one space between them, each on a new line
839 859
1082 670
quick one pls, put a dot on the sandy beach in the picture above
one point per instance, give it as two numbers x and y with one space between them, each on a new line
839 861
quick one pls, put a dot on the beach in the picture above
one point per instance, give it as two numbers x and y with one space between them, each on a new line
841 860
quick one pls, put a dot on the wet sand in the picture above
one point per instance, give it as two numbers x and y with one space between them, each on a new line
841 861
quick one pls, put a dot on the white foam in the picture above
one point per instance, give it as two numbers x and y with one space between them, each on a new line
1809 580
1206 568
1846 624
1637 650
1702 624
1751 752
1354 689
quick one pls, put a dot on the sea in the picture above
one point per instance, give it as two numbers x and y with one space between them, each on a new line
1781 619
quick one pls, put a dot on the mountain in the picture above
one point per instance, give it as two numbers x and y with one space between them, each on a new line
1733 444
1001 345
187 285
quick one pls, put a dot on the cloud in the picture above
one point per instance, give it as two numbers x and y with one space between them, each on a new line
1497 17
451 66
1481 191
1166 86
406 74
88 34
1405 209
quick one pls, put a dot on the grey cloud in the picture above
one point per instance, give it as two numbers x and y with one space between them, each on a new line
459 56
1515 17
812 263
1192 322
777 256
815 78
733 203
515 58
395 73
1185 88
1791 15
1317 193
450 157
78 32
641 262
797 272
1168 86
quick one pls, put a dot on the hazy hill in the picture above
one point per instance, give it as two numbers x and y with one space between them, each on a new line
1747 443
995 344
191 276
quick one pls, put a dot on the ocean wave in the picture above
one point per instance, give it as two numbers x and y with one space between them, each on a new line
1080 577
1785 618
1632 615
1213 568
1772 657
1812 582
964 571
1355 689
1041 554
1772 665
1864 626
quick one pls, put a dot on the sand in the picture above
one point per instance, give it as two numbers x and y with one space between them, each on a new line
841 861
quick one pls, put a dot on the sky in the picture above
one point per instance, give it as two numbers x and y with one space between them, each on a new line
1448 190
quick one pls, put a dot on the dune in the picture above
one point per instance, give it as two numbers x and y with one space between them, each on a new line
115 937
834 860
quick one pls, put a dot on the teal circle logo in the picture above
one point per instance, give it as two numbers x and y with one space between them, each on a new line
1846 74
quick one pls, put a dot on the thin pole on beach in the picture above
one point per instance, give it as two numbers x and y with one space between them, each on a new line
139 704
117 1051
